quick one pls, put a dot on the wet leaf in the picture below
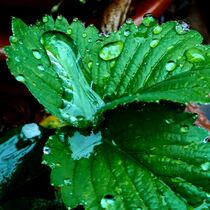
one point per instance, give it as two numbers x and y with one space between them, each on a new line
138 166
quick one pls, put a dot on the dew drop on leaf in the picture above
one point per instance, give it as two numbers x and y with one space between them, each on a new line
112 64
111 50
157 29
13 39
154 43
17 59
89 40
107 203
90 64
129 21
40 67
59 17
20 78
67 182
37 54
45 19
69 31
169 121
127 32
84 35
206 140
170 66
205 166
148 20
182 27
46 150
184 129
194 55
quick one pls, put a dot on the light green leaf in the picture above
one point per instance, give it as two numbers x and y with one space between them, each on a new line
152 157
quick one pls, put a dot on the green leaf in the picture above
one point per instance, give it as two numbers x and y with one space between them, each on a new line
138 166
147 63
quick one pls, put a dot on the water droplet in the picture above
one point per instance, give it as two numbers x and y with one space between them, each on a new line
89 40
157 29
206 140
195 55
90 64
17 59
170 66
45 19
59 17
30 131
148 20
75 19
13 39
205 166
84 35
46 150
184 129
169 121
37 54
40 67
20 78
154 43
182 27
67 182
111 50
127 32
69 31
107 203
112 63
129 21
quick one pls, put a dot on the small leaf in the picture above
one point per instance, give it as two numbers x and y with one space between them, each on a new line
164 166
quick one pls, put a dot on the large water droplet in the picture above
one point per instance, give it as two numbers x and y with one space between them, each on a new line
195 55
154 43
182 27
205 166
20 78
46 150
170 66
13 39
40 67
111 50
127 32
184 129
45 19
37 54
148 20
157 29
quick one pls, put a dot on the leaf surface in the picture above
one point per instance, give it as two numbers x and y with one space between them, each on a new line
146 63
165 166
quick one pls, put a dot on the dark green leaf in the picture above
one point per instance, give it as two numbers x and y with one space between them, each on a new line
164 166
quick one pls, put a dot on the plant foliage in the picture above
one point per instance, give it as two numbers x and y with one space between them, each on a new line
126 146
